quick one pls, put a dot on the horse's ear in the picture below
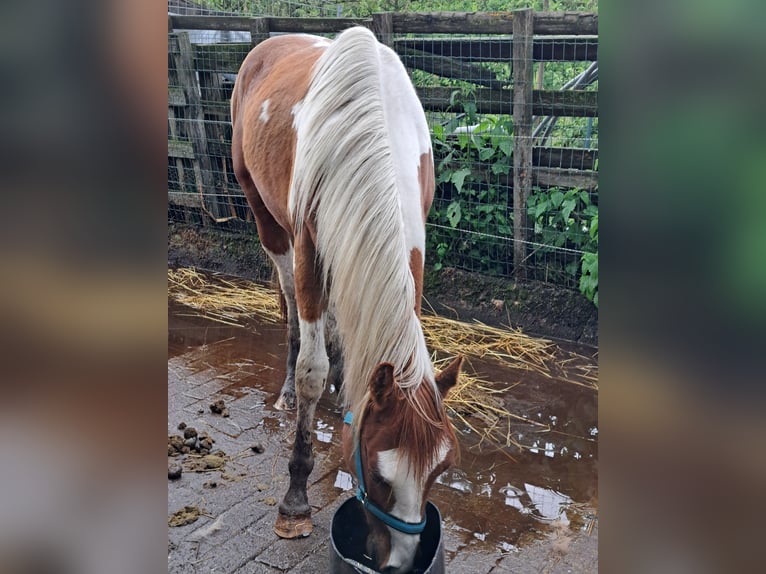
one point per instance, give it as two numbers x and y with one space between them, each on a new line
447 378
382 384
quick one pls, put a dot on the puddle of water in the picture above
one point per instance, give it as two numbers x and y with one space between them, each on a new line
499 497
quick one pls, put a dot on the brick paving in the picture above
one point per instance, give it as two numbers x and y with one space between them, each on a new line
234 534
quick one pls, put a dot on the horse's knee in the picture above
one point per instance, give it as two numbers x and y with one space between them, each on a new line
310 376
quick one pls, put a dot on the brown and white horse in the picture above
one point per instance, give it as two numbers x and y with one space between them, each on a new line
332 149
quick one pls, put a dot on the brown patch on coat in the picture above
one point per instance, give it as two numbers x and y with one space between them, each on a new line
277 70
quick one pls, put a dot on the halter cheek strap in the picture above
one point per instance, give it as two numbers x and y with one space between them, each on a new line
370 506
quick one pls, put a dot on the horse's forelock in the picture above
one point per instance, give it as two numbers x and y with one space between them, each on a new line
423 428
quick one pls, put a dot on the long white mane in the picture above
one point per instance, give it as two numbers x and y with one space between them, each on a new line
345 184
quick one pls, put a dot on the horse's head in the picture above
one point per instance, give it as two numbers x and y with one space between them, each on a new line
405 441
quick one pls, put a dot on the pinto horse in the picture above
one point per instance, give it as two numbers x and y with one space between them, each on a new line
332 150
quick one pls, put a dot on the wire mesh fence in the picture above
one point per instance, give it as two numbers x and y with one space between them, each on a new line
468 81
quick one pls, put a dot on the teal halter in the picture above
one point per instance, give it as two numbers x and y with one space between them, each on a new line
370 506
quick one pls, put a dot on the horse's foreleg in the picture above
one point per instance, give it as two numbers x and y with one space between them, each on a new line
311 370
284 265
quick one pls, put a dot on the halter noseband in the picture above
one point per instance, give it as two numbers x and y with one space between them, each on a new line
370 506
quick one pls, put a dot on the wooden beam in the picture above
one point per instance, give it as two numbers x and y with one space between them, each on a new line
567 178
451 68
546 23
180 149
316 25
571 49
453 22
570 103
176 96
542 176
550 23
555 23
231 23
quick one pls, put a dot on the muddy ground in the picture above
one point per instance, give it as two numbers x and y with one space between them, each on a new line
504 510
539 309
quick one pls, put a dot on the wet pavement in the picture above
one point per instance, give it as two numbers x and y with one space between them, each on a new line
504 509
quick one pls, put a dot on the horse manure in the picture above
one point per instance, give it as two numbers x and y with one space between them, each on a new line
175 444
186 515
174 471
219 408
210 484
213 461
269 501
181 425
190 432
257 448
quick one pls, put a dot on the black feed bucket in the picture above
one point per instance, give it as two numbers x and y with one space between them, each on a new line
349 537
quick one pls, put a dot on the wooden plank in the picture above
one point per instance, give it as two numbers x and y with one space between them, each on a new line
180 149
542 176
316 25
553 23
522 135
183 199
232 23
570 103
574 23
451 68
566 178
564 157
570 49
453 22
176 96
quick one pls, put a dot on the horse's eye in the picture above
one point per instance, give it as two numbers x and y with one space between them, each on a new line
377 478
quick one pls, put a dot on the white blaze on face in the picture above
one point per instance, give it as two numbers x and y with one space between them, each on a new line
408 495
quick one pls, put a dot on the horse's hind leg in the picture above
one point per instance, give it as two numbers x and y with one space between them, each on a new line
311 370
276 242
334 352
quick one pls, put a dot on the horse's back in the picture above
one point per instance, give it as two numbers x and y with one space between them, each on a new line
273 78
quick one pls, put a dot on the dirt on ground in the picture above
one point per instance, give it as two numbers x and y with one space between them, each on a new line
539 309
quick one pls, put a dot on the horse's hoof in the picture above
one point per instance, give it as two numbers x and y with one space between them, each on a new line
285 402
298 526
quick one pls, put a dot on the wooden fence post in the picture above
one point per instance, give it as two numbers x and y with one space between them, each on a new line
383 28
259 31
523 43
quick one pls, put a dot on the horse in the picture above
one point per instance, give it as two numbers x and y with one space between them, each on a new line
331 147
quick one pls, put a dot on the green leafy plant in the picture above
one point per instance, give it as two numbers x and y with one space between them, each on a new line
471 208
567 220
589 269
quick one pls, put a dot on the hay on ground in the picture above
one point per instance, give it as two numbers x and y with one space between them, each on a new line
234 301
